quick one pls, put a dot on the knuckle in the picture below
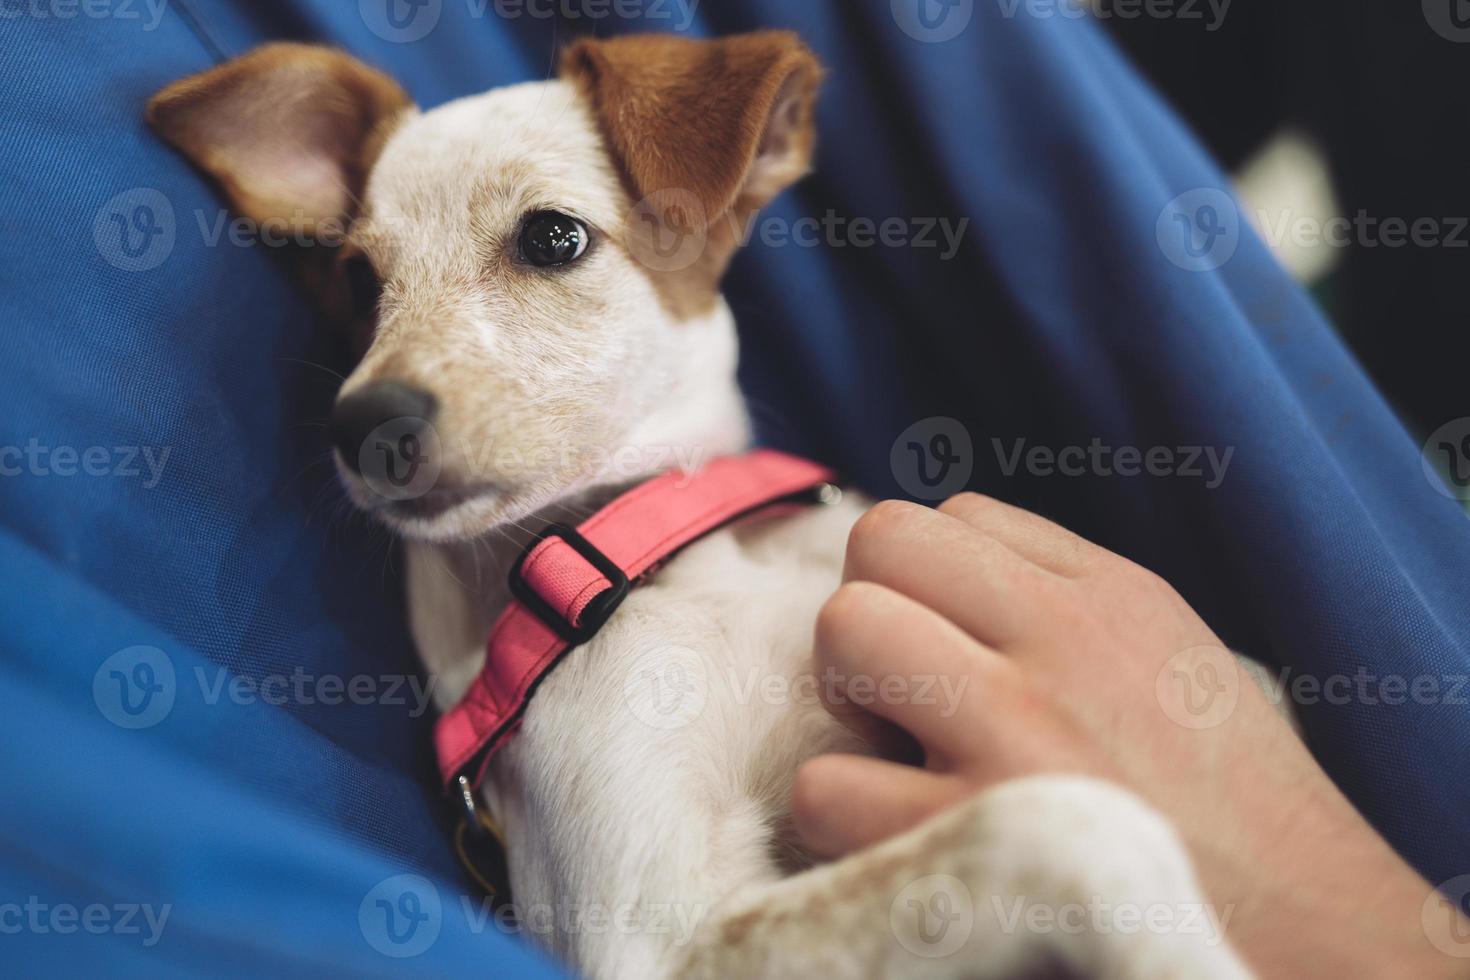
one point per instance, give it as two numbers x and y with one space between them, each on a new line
1147 581
809 791
968 504
1081 553
838 614
1142 590
881 520
1005 673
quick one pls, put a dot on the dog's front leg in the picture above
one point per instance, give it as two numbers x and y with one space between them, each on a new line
1049 874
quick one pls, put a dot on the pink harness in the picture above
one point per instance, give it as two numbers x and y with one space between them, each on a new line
569 582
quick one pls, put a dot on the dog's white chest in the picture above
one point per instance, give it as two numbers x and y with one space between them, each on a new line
654 764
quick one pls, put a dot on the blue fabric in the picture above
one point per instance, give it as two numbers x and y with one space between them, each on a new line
1067 315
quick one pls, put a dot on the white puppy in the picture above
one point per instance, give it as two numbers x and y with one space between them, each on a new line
535 275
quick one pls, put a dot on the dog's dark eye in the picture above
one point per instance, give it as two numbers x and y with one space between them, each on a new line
365 288
550 238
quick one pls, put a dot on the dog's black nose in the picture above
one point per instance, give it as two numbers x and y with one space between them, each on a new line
400 411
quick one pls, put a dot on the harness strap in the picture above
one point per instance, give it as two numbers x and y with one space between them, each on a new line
569 582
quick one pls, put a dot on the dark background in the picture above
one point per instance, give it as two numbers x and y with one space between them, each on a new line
1389 103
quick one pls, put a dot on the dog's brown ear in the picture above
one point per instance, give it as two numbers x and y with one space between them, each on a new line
290 131
729 121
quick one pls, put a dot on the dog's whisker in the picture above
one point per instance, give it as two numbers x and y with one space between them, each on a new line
313 364
324 497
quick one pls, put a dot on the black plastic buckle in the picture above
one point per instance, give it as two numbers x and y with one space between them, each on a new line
598 611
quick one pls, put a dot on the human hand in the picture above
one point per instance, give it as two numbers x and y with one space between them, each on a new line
1066 655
